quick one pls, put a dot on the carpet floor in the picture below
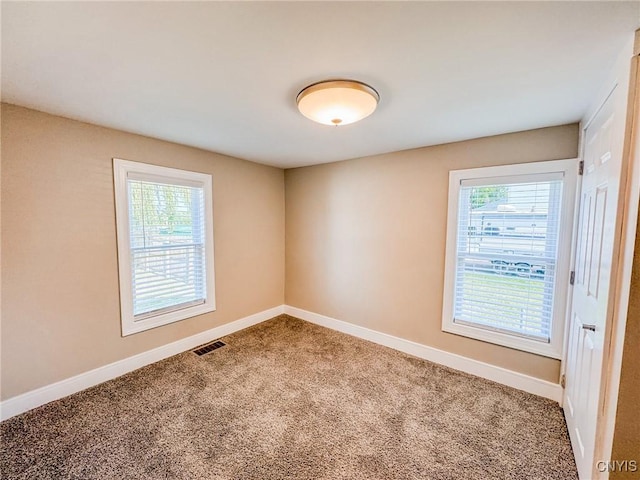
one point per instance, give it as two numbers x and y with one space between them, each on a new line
290 400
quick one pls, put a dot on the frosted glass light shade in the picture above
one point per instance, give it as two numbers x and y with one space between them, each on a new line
337 102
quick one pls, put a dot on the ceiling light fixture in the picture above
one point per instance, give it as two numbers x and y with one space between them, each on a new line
337 102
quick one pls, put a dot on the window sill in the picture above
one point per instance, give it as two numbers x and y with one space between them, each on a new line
131 326
504 339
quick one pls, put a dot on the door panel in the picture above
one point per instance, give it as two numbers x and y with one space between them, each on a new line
581 261
595 266
594 256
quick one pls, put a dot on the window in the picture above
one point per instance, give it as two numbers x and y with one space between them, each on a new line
165 244
507 259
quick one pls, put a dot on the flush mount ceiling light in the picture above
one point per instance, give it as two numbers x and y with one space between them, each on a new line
337 102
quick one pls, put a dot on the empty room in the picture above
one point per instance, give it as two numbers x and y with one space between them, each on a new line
320 240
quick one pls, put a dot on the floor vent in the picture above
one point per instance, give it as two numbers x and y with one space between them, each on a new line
209 347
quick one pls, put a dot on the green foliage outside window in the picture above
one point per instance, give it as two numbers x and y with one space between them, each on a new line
481 196
161 207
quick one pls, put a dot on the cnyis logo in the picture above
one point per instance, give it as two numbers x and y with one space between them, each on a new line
617 466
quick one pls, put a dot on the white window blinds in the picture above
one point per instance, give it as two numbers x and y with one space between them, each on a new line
506 254
167 244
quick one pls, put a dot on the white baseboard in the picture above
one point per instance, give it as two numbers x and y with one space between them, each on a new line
501 375
35 398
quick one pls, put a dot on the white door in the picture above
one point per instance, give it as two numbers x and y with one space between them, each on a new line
594 255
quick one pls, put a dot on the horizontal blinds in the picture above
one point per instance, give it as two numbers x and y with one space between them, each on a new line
507 244
512 179
167 235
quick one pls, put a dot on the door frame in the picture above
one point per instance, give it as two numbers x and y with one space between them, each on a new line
628 211
626 78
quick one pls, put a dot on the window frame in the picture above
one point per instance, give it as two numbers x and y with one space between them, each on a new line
554 348
121 170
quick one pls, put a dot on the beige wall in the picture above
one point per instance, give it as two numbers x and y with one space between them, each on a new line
60 304
626 441
365 242
366 238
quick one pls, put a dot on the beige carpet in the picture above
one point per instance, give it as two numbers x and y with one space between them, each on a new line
290 400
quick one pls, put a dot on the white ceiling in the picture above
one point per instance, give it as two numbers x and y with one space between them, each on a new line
224 76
